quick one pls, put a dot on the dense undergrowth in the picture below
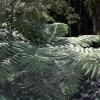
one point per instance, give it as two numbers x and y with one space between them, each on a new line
38 61
50 71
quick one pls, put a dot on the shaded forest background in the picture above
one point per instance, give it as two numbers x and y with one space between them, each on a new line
83 16
86 22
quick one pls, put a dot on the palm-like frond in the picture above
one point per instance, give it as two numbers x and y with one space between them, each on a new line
53 68
87 59
60 65
83 41
6 51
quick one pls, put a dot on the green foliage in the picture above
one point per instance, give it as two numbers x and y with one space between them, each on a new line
48 68
88 59
85 41
61 9
36 61
60 28
3 98
53 68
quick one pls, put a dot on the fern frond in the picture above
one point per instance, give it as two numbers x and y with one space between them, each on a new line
7 68
85 41
58 64
4 98
4 35
53 65
88 59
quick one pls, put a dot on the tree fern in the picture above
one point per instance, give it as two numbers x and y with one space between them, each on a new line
51 71
85 41
88 59
53 68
